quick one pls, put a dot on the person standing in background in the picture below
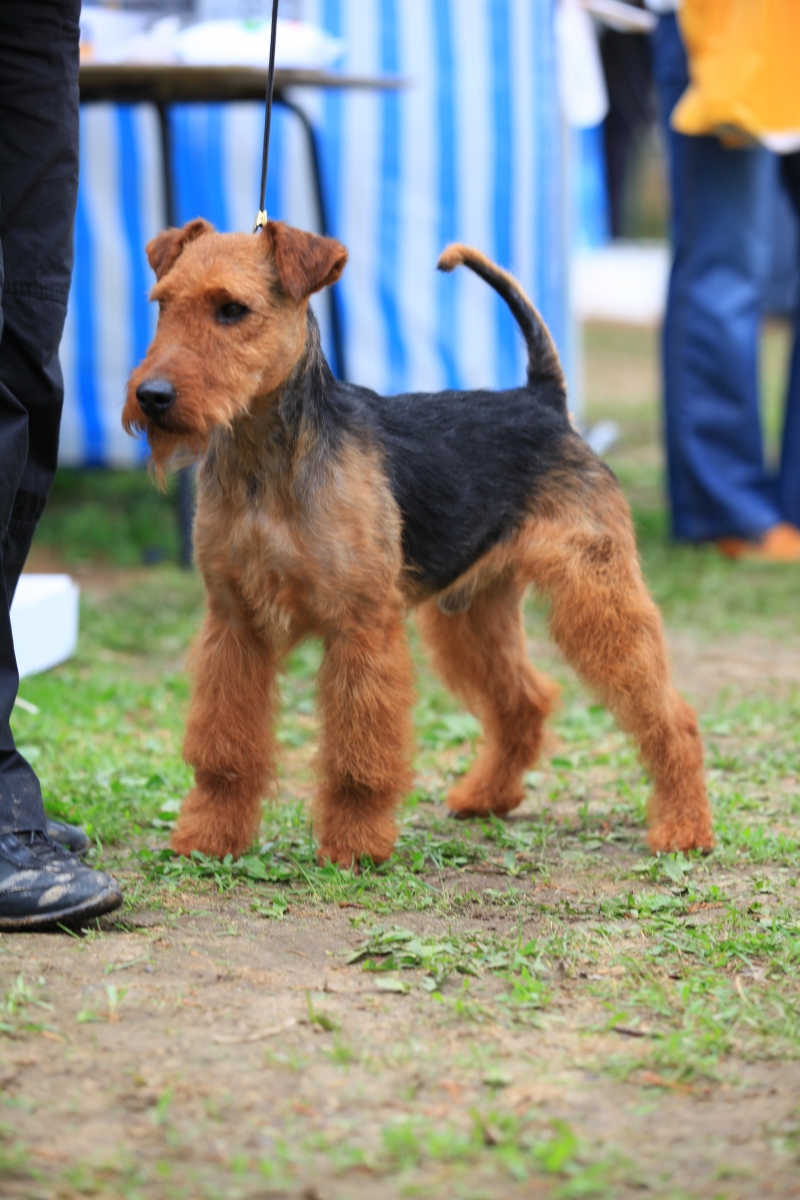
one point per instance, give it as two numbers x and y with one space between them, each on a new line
719 488
43 884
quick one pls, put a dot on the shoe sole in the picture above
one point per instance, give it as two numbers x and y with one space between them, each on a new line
95 906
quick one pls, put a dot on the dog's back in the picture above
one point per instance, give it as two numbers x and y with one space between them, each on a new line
466 468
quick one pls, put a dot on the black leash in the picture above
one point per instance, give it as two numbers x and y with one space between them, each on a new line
261 215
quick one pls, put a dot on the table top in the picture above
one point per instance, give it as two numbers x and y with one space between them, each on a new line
167 83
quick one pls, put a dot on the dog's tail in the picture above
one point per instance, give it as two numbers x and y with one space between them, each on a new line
543 360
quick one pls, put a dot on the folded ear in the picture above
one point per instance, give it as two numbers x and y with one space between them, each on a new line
304 261
164 249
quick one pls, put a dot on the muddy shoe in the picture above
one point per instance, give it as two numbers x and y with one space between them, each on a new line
43 886
69 836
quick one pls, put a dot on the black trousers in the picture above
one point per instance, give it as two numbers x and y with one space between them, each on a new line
38 192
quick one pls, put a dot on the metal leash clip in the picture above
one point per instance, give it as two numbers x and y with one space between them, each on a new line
261 215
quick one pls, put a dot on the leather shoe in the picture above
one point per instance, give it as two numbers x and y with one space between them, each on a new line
69 836
43 886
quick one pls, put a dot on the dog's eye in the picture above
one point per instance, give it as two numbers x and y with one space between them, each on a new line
228 313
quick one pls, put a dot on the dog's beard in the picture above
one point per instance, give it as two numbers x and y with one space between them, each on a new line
172 451
181 436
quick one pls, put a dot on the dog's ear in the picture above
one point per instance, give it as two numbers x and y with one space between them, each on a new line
304 261
164 249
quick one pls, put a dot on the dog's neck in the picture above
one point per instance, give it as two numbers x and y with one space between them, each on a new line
268 443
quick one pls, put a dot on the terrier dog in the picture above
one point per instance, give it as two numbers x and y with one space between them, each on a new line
325 509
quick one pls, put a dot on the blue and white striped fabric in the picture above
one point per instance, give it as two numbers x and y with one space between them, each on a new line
470 151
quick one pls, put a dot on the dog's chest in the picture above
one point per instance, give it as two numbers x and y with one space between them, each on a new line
297 567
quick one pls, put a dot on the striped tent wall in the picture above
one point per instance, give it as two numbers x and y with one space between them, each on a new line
470 151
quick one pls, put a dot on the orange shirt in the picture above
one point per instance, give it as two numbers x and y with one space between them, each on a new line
744 67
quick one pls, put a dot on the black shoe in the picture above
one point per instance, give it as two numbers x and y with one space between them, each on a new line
43 886
69 836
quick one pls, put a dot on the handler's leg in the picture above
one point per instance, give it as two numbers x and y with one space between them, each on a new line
718 485
790 451
38 190
229 739
366 694
41 886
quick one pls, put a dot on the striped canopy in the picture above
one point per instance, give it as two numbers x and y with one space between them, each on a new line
470 151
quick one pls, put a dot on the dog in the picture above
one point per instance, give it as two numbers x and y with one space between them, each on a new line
324 509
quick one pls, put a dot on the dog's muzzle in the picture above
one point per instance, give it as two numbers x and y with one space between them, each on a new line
156 397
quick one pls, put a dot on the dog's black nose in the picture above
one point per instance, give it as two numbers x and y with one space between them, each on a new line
155 396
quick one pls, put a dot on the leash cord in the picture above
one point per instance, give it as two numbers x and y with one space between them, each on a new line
261 215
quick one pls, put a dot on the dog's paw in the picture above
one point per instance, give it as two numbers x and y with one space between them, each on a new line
336 857
213 830
349 834
465 801
350 860
668 837
186 842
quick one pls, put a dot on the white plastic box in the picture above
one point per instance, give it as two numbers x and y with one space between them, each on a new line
44 621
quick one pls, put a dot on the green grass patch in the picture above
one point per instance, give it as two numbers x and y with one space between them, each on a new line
115 517
685 967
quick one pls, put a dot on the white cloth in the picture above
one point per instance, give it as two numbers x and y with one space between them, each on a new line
581 82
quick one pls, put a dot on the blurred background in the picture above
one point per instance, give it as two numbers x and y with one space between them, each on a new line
524 127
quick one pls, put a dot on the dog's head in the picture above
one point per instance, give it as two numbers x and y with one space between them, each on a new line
231 326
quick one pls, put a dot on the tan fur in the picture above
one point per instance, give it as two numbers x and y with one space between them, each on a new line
295 538
481 656
219 376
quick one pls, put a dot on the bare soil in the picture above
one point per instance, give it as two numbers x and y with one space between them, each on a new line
210 1055
212 995
198 1047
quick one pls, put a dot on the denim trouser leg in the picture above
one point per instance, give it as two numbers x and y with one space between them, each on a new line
789 479
38 190
718 485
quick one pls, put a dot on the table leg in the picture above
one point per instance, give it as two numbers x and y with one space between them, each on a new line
166 164
185 498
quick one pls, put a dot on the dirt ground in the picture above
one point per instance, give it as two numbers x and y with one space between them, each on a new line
189 1061
197 1048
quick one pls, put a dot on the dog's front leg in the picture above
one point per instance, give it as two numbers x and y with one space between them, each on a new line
366 693
229 739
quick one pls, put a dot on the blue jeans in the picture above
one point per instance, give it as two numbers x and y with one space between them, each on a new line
789 479
718 483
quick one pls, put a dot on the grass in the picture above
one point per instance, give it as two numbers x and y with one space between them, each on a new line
690 965
119 519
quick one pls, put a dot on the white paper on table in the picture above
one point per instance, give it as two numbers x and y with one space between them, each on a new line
153 45
104 31
246 44
117 38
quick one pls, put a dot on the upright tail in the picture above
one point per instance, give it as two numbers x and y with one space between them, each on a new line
543 361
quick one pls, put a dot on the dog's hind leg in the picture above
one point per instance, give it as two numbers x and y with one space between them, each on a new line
229 739
365 694
481 656
580 551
